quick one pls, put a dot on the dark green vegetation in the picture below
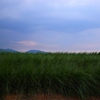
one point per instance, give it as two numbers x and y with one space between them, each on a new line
69 74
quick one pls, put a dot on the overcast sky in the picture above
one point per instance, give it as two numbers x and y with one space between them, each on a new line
50 25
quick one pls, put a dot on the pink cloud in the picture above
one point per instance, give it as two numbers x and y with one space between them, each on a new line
27 43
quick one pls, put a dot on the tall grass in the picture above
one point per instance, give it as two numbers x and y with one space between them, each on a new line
69 74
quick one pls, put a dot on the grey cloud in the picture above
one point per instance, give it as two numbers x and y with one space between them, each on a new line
50 22
87 40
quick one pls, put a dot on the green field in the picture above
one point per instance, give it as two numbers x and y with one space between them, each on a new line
69 74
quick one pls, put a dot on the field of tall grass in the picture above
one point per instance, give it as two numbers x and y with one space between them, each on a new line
69 74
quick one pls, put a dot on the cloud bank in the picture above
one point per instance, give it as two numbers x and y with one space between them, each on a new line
51 25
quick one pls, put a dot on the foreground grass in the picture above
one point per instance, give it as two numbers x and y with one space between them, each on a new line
68 74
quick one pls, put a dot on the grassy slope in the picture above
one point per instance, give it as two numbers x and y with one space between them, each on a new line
67 74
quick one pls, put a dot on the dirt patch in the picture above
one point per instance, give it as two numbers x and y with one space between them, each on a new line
43 97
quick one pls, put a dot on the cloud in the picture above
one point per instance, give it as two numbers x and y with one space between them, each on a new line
56 25
63 15
54 41
90 46
27 43
11 13
44 8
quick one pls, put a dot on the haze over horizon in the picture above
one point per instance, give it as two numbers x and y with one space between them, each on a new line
50 25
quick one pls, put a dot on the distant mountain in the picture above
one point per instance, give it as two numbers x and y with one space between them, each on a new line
14 51
7 50
36 51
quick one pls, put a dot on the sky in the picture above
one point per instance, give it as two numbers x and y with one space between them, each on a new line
50 25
